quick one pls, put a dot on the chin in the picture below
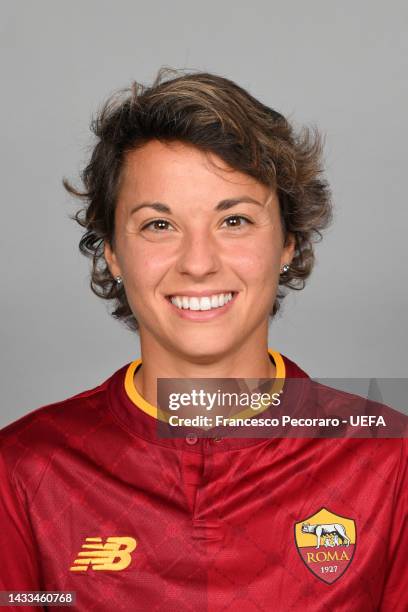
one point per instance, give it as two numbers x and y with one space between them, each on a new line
204 349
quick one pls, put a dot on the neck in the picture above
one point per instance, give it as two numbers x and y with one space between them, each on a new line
251 360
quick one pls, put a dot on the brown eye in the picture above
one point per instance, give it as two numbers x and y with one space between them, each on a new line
236 221
158 225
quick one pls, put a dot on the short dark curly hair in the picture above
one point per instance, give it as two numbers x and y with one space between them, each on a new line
217 116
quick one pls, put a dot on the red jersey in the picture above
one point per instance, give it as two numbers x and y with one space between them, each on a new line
92 501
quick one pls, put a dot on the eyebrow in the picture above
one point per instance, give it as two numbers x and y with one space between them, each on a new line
223 205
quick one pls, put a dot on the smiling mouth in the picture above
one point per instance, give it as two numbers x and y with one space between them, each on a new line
205 302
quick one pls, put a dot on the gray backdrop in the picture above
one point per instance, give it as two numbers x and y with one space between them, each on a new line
339 65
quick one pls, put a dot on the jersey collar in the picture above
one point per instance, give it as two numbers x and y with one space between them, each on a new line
154 412
139 417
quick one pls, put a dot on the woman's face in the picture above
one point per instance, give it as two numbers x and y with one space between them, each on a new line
188 232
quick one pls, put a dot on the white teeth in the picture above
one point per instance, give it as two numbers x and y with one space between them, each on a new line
207 302
194 303
214 301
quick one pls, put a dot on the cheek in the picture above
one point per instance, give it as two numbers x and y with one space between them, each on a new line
257 265
143 265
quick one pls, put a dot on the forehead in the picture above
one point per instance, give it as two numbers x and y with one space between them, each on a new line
159 169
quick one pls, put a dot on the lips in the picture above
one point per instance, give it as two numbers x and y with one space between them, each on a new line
204 306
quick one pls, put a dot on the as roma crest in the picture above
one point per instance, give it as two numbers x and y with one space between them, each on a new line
326 543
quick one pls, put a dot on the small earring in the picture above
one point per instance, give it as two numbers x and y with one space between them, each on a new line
118 280
285 268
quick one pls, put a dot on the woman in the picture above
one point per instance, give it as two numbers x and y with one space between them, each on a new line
201 206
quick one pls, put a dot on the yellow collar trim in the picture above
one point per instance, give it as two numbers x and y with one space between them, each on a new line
155 412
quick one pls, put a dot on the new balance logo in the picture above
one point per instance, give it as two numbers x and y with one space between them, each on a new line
114 555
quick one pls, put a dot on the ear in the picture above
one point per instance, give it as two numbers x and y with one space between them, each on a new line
289 248
111 260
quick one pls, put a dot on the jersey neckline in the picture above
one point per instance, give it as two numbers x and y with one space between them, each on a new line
142 404
137 422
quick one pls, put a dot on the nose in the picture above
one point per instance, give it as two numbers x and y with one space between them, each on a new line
199 255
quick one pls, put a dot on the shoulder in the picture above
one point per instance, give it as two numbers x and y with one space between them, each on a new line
376 432
28 444
52 418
